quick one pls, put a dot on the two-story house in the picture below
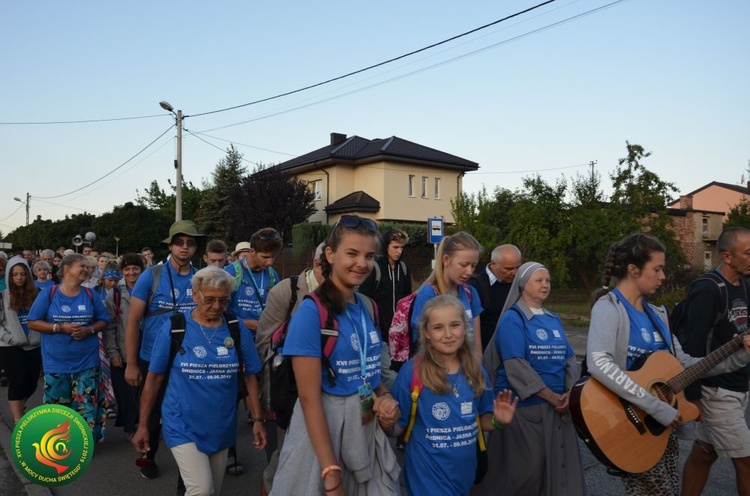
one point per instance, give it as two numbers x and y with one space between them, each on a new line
389 179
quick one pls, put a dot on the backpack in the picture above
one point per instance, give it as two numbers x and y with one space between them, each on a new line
239 273
416 390
53 290
177 332
156 271
283 385
677 317
376 270
401 342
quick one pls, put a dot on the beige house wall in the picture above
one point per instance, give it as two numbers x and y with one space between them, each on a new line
388 183
717 199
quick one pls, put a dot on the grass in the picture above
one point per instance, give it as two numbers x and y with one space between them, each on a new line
572 305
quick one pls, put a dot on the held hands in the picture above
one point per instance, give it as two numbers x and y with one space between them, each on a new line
387 410
504 407
77 331
562 405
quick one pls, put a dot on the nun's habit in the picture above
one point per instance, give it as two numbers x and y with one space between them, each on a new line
537 454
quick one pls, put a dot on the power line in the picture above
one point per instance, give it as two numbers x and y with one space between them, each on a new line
242 144
14 213
218 147
108 173
68 206
379 64
82 121
417 71
533 170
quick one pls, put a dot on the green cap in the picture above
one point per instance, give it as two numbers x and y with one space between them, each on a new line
186 227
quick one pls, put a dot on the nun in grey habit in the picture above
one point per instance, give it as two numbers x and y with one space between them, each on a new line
537 454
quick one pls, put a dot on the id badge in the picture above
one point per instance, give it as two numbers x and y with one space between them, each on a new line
366 402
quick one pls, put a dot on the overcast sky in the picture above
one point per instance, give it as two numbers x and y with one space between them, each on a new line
534 93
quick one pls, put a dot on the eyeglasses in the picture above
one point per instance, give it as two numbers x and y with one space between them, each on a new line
190 243
354 221
210 300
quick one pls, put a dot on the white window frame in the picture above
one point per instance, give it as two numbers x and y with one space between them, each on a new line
437 188
424 186
411 186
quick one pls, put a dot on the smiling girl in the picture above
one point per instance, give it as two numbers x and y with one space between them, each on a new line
455 395
333 446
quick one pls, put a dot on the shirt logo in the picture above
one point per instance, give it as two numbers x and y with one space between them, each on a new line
556 333
646 335
222 351
355 342
200 351
374 337
441 411
65 308
176 294
467 408
82 307
542 334
249 291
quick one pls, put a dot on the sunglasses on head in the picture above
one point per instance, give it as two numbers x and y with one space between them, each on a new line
266 235
354 221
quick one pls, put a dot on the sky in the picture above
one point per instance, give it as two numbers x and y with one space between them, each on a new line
545 92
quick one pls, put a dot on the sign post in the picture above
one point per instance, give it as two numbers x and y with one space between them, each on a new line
435 232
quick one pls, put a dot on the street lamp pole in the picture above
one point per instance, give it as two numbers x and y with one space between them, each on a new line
178 161
28 199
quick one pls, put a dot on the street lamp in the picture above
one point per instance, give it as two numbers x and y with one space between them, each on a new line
178 161
28 198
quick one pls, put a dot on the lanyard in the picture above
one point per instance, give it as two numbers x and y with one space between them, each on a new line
255 285
363 341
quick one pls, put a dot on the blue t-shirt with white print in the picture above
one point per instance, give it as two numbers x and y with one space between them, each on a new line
249 299
644 337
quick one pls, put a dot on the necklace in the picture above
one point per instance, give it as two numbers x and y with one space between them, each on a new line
204 332
454 387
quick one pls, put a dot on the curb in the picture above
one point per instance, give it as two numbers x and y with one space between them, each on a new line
30 488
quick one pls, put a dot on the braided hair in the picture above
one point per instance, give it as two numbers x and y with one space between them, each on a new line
635 249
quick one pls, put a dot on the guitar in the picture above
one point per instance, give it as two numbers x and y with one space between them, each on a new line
621 435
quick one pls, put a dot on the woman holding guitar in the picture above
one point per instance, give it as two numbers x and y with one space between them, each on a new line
625 327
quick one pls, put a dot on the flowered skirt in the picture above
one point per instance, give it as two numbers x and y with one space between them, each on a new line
82 392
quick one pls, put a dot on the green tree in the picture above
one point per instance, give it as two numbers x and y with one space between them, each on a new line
136 226
157 198
739 215
268 198
216 202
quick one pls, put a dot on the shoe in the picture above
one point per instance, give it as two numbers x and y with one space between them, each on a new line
111 413
234 467
151 471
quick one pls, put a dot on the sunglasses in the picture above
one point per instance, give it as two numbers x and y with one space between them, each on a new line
210 300
190 243
354 221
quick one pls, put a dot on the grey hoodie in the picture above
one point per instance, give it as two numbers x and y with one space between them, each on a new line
11 331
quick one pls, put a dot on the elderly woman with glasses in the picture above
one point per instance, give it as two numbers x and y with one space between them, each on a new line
199 412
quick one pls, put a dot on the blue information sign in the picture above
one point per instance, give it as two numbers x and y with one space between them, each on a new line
435 229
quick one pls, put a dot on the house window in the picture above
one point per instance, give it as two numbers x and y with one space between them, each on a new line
705 227
424 186
437 188
411 185
707 260
317 188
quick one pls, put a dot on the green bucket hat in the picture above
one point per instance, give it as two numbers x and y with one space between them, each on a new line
186 227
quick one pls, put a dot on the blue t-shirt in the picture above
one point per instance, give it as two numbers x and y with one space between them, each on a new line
23 319
200 402
61 354
541 342
473 307
440 457
249 299
44 285
644 337
163 300
303 339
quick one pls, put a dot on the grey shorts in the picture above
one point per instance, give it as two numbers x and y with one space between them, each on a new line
724 426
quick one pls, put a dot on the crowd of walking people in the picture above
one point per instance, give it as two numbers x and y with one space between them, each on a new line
467 372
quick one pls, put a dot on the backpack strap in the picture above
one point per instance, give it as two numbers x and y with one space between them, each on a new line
117 297
238 274
376 270
329 334
156 271
53 290
724 310
416 390
234 331
372 310
177 334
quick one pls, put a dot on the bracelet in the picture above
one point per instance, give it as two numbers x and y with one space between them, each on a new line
328 470
497 425
388 393
334 487
252 420
54 328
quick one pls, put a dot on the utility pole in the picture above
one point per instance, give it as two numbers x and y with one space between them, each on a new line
28 200
178 161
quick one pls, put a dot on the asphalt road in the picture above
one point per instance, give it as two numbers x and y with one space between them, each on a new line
113 472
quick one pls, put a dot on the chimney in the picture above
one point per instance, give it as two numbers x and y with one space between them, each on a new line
686 202
337 138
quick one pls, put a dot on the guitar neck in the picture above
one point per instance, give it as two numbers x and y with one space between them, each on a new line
695 372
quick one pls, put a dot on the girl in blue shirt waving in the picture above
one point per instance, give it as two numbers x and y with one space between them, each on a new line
455 396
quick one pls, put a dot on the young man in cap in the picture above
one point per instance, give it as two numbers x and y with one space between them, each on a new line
161 290
241 250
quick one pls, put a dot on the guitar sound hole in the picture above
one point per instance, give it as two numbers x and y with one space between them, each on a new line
663 392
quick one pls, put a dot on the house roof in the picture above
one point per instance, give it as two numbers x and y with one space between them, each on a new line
734 187
359 201
359 151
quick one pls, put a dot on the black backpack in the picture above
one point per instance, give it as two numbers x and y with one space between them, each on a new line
677 317
177 321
